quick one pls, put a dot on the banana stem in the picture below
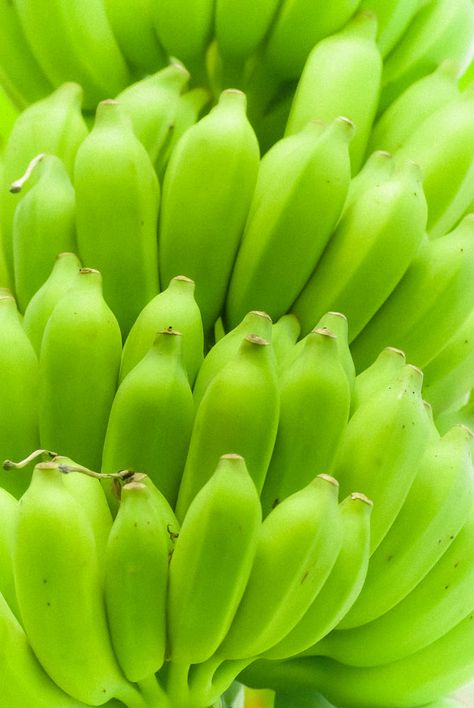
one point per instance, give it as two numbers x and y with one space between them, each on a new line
153 693
177 686
209 680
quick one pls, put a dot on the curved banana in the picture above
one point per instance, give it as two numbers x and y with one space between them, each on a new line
337 322
298 26
18 396
314 409
20 73
380 374
9 515
62 609
241 27
381 446
342 77
151 418
152 104
442 29
61 278
435 606
285 332
225 349
78 370
135 583
25 683
117 201
383 226
443 146
301 188
212 561
298 546
132 26
174 307
44 225
434 512
74 42
53 125
341 588
239 412
209 181
414 105
393 20
378 167
434 295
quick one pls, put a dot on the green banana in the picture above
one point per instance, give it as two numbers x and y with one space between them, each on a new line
20 73
9 516
341 588
241 399
53 125
68 47
433 295
225 349
377 168
414 105
135 583
151 418
442 29
25 683
435 606
152 104
61 278
301 188
18 396
44 225
298 26
342 77
209 181
62 609
393 19
240 28
117 201
314 409
377 376
298 545
174 307
443 146
434 512
393 426
384 225
212 561
337 322
78 370
285 332
132 25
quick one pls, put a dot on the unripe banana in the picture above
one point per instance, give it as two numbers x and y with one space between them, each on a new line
443 146
241 399
299 25
24 681
135 584
377 168
300 192
132 25
44 225
435 509
53 125
341 588
18 396
224 350
383 226
151 417
61 278
342 77
174 307
117 197
419 101
209 181
440 30
308 436
285 332
69 47
212 560
337 322
152 104
298 546
377 376
433 296
241 27
62 610
393 19
384 464
79 363
9 516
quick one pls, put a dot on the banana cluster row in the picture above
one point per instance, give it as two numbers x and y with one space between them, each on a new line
196 587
